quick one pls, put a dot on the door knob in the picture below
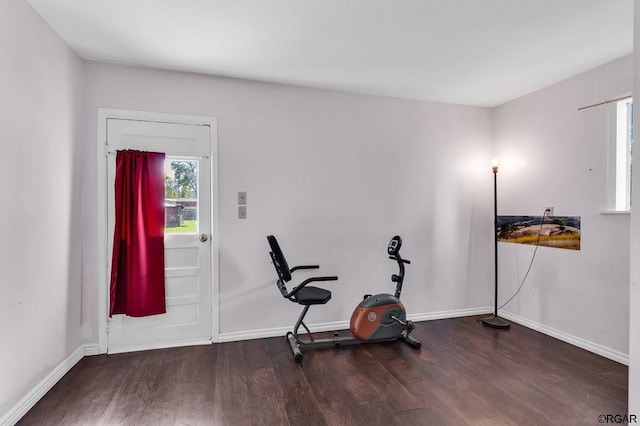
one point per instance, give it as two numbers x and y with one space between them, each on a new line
203 237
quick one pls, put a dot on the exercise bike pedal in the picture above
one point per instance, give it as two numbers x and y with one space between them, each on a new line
415 344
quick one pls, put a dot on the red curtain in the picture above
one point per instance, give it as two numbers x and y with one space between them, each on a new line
137 268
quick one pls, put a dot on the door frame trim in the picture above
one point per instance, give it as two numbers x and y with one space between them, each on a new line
102 204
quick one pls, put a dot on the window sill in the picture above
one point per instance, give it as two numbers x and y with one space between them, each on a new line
623 212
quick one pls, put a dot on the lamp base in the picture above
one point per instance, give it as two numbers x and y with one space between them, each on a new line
495 321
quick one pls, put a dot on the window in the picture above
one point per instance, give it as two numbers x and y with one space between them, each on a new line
181 196
620 151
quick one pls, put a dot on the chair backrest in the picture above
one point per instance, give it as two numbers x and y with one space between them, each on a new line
279 262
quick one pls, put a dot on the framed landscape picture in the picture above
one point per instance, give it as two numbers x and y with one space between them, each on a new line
550 231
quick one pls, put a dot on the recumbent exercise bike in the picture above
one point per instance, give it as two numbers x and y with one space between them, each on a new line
378 318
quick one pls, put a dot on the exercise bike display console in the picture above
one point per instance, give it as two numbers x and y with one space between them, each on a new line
377 318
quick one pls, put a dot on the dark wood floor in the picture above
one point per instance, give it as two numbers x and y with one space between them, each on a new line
464 374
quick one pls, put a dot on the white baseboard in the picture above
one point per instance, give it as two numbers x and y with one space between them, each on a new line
455 313
91 349
344 325
566 337
147 347
261 333
30 399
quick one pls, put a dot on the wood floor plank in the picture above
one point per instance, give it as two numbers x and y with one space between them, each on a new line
231 398
300 400
198 385
135 392
465 374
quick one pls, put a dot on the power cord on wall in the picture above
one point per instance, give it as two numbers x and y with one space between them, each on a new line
544 215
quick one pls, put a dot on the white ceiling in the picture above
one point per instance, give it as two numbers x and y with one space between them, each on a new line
474 52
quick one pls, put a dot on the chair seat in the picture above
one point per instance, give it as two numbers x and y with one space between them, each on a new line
310 295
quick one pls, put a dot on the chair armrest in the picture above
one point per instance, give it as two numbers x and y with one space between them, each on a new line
308 281
304 267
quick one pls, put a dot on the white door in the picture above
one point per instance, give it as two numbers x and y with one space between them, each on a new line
188 249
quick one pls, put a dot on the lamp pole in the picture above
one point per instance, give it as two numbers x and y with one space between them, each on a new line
494 321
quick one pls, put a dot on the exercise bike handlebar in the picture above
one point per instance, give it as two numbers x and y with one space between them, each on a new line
295 268
394 254
398 258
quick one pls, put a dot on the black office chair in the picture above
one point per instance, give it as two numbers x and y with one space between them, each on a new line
303 293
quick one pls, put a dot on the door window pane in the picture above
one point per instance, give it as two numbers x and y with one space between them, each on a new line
181 196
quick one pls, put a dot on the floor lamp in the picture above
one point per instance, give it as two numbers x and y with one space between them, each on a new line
494 321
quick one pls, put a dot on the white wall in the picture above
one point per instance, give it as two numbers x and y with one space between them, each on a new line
555 155
334 176
634 297
40 309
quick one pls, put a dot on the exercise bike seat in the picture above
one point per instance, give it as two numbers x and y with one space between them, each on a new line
311 295
303 293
